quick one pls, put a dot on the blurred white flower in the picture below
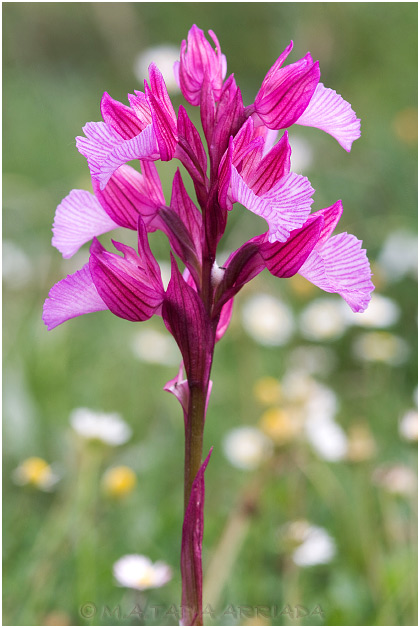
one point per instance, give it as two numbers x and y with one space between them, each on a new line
267 320
381 346
327 438
302 154
409 425
323 319
108 428
398 256
322 404
35 472
164 56
318 406
382 312
138 572
17 268
318 548
246 447
397 479
315 360
316 399
155 347
315 545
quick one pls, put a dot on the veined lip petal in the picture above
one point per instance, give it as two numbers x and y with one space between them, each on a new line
285 207
78 218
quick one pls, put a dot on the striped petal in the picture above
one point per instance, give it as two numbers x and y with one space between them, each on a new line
122 284
122 118
105 150
341 265
284 260
285 207
78 218
129 194
73 296
329 112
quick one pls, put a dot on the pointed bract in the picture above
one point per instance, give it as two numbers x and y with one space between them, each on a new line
184 316
192 540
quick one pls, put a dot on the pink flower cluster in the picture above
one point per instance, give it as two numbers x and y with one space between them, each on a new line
243 164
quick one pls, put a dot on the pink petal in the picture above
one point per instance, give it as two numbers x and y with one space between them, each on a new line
120 117
341 265
78 218
228 119
331 216
285 207
73 296
129 193
286 93
272 167
190 150
329 112
163 114
140 106
284 260
131 285
182 204
106 150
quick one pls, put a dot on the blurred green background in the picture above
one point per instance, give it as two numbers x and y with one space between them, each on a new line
59 546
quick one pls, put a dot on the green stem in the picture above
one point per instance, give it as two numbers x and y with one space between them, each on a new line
194 438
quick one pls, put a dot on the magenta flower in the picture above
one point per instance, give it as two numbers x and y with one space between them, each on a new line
242 163
293 95
145 130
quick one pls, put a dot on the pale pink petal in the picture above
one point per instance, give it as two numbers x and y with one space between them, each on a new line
329 112
106 150
285 207
73 296
78 218
341 265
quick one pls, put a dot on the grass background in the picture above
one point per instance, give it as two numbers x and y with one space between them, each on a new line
59 548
